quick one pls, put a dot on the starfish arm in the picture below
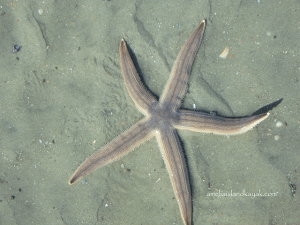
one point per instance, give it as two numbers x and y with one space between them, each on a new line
176 165
209 123
141 97
176 85
114 150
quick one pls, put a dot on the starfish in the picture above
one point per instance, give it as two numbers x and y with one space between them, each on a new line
161 120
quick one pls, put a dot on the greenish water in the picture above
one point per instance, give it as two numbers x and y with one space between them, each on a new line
63 97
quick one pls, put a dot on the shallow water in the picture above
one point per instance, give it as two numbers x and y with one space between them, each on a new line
63 97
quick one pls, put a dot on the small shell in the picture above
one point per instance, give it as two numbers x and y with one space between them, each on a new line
40 11
224 53
16 48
